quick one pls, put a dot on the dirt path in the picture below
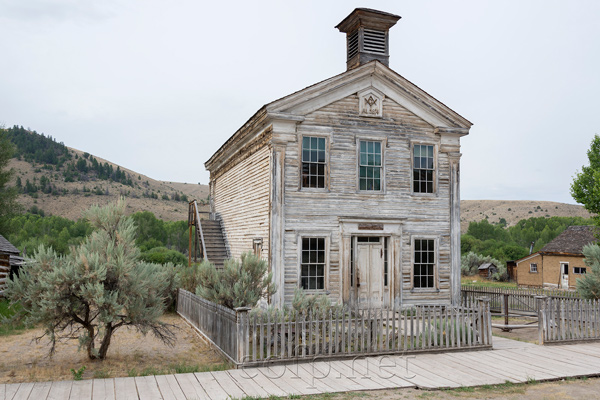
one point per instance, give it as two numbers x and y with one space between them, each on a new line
130 354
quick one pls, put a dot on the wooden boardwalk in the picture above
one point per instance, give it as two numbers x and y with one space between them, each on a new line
510 360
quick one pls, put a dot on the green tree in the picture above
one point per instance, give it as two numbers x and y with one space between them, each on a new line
8 194
585 188
588 285
99 287
237 284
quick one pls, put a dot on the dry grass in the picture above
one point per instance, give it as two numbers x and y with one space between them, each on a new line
24 360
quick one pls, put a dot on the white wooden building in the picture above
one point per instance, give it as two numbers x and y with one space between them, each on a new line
349 187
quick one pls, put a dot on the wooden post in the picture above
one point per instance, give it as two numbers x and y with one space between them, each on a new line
242 331
190 249
485 320
541 309
505 329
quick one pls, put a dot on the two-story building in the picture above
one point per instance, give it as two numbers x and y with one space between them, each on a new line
349 187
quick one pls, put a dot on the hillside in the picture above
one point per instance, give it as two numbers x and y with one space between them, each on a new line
58 180
514 210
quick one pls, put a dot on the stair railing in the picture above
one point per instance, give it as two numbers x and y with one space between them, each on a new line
194 220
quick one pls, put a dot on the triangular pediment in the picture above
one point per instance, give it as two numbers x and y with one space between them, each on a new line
371 82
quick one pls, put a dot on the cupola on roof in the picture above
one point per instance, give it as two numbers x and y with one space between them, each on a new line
367 36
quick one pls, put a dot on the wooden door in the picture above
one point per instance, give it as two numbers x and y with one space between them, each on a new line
564 272
369 264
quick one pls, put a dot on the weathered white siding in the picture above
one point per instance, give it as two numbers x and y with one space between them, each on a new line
319 211
241 200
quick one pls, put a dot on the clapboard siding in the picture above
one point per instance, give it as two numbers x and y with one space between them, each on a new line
241 200
307 211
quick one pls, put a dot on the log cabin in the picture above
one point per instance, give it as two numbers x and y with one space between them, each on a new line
349 187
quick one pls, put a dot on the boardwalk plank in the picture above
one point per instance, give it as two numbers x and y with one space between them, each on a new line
103 389
228 384
387 376
243 378
125 389
190 387
463 378
8 391
147 388
60 390
421 377
24 391
40 390
507 359
327 385
169 387
341 373
81 390
211 386
471 361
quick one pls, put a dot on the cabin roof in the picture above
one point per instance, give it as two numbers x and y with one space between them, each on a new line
571 240
7 247
487 265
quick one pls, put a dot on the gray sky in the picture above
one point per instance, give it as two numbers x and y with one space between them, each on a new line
158 86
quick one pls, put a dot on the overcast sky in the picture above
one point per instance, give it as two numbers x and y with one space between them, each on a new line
158 86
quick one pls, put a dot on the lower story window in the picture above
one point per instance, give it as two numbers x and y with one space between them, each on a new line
532 267
312 269
579 270
424 266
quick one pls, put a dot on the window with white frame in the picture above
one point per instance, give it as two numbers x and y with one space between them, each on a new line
370 165
533 267
423 168
579 270
312 267
424 263
314 162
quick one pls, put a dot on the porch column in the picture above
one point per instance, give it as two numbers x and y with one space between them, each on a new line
454 159
277 213
345 267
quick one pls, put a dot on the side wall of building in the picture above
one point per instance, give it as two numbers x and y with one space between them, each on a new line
240 198
527 278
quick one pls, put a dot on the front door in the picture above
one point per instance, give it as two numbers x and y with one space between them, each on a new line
564 271
369 265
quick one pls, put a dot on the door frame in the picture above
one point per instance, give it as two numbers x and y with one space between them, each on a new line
373 227
563 274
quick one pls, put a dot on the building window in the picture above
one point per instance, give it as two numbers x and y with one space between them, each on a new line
533 268
579 270
424 263
312 269
369 165
257 246
313 162
385 261
423 168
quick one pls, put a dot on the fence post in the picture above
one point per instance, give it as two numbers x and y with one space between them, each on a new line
242 333
485 320
541 309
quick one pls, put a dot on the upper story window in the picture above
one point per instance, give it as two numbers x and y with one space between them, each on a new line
424 263
369 165
423 168
314 162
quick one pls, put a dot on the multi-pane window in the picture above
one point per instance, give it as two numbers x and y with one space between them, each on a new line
423 168
579 270
424 263
313 162
312 269
532 267
370 165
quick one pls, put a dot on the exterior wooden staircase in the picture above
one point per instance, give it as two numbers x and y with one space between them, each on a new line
208 239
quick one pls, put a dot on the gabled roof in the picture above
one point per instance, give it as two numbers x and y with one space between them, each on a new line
7 247
370 75
572 240
486 266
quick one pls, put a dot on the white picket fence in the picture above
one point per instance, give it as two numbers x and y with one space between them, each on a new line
267 337
568 320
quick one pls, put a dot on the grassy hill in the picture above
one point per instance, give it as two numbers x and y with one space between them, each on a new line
59 180
514 210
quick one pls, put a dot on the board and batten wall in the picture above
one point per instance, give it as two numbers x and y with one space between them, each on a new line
319 211
240 198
